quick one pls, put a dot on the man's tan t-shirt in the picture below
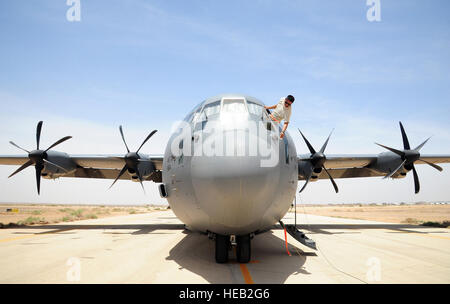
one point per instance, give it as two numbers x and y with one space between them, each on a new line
281 112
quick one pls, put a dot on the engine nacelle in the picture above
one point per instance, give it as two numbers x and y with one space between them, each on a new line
62 160
388 162
305 169
146 168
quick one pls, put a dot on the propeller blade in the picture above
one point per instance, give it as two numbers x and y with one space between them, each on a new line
416 180
58 142
26 165
331 179
421 145
38 177
19 147
123 138
140 180
120 174
38 133
311 149
148 137
405 138
304 186
53 164
322 150
400 153
394 171
432 165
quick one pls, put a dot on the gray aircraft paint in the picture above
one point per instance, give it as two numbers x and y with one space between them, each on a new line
232 194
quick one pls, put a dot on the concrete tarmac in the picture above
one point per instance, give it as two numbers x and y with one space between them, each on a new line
155 248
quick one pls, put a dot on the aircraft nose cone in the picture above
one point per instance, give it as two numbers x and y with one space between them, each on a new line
234 191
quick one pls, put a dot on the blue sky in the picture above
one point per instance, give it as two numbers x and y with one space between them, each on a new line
145 64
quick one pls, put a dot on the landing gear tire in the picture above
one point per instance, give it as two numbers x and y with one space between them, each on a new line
222 244
243 248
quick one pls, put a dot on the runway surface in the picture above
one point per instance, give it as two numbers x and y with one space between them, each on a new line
154 248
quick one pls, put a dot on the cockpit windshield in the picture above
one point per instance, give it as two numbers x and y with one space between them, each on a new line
254 108
227 106
236 105
212 108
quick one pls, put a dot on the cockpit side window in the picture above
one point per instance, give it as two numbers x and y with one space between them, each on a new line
254 108
193 113
211 109
286 149
196 115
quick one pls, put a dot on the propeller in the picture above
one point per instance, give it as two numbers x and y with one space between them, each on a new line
132 159
38 157
408 157
317 160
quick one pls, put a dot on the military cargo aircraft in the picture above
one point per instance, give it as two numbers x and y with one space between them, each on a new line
225 171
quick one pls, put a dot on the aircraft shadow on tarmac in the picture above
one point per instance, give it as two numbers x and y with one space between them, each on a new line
151 228
134 229
270 263
147 228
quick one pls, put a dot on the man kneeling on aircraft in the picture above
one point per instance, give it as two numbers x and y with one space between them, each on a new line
282 111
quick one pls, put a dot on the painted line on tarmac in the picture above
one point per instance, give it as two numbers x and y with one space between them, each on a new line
32 235
430 235
246 274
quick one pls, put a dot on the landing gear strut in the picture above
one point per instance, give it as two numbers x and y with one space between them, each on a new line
243 248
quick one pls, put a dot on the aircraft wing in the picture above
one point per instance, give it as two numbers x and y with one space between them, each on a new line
395 164
110 166
354 165
109 161
345 161
17 160
52 164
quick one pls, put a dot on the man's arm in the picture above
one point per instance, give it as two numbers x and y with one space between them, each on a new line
270 108
286 123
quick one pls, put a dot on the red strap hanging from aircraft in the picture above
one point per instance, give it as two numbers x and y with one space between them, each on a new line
285 238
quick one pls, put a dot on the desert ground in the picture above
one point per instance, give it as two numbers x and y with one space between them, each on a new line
417 214
155 248
32 214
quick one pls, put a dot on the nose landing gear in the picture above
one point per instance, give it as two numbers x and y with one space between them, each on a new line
243 248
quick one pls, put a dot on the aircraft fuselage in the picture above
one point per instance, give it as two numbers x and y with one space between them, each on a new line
226 170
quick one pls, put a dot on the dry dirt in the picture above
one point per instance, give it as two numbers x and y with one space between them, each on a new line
411 214
29 214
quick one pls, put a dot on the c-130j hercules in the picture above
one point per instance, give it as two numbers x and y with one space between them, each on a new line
225 170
